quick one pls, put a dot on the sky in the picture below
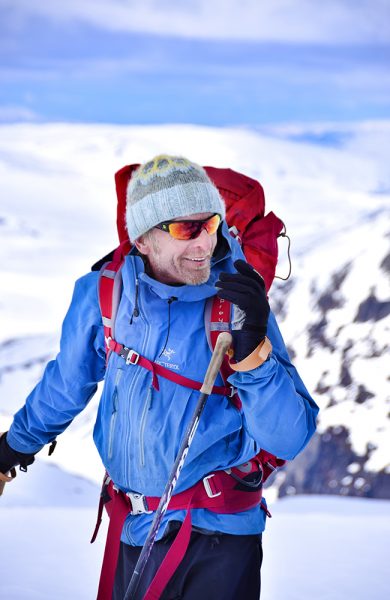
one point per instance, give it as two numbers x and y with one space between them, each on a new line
210 62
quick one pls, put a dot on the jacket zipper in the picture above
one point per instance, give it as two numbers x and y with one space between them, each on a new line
132 387
114 414
147 407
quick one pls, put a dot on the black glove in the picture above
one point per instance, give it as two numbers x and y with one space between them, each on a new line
9 458
246 290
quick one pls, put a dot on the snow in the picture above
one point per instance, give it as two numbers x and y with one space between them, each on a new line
315 547
326 548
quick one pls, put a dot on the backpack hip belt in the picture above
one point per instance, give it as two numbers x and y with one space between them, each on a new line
224 492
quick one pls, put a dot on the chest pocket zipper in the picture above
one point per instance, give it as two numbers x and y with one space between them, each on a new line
147 407
114 414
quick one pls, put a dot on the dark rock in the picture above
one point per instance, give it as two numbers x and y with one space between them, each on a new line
385 264
372 309
331 298
322 468
363 394
345 375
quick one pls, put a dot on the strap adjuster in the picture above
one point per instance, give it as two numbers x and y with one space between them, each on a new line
207 486
139 506
131 356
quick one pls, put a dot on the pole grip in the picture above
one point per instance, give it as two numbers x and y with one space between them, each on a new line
223 344
4 478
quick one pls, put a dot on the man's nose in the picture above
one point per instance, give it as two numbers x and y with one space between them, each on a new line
203 240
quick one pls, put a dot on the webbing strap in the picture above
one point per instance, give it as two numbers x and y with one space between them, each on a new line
171 561
118 510
110 285
133 358
220 321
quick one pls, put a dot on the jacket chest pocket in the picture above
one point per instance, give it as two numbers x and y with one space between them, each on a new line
114 413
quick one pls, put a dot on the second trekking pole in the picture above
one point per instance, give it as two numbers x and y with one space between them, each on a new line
223 343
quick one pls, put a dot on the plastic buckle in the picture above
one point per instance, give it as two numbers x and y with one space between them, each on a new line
132 357
207 486
235 234
108 340
139 505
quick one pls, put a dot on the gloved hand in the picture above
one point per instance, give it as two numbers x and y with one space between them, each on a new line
10 458
246 290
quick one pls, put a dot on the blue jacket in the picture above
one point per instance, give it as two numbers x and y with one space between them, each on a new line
138 430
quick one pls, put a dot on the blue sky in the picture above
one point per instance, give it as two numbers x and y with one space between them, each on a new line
207 62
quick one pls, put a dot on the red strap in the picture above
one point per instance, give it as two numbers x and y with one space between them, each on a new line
98 520
220 321
171 561
119 510
157 369
107 282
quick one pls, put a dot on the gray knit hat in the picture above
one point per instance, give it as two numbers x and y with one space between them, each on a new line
165 188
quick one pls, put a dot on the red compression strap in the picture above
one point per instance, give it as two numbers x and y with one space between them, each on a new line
157 369
118 510
171 561
220 321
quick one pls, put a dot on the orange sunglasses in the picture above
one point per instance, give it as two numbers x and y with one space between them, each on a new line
189 230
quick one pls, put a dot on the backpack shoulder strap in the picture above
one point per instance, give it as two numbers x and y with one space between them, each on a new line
217 319
110 290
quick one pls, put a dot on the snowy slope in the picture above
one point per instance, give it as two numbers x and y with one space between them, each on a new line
314 547
329 183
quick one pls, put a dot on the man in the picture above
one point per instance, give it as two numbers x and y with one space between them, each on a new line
182 256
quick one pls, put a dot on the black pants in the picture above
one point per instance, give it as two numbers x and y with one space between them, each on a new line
215 567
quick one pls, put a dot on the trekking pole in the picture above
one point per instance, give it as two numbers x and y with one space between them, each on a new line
221 347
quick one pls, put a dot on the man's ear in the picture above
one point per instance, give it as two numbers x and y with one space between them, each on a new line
142 245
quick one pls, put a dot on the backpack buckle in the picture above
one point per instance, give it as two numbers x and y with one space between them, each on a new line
207 486
235 234
139 506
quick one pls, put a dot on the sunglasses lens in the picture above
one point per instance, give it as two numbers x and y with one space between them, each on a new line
212 224
188 230
185 230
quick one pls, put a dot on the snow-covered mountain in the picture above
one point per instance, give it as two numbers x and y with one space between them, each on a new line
331 186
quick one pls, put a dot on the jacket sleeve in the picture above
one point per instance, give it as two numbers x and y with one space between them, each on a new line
69 381
278 411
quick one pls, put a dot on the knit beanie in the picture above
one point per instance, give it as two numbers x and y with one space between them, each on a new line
165 188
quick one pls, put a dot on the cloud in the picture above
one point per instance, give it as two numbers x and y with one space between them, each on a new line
11 114
308 21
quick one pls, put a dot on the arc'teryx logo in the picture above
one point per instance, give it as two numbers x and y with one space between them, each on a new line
167 354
